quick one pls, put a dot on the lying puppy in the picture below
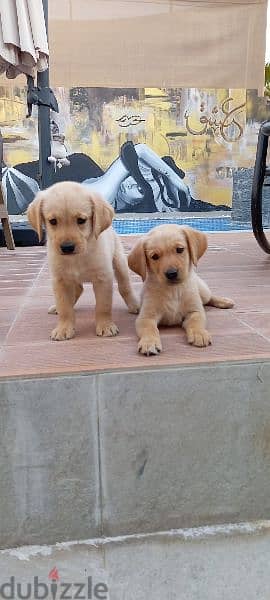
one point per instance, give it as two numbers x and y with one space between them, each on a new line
82 246
173 294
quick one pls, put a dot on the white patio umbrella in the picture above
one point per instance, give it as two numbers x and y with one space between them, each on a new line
23 37
24 49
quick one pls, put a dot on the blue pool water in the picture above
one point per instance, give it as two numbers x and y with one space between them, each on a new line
133 226
25 236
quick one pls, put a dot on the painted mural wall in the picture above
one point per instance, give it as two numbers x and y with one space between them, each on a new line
146 150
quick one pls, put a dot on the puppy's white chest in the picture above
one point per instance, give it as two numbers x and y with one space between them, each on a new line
85 273
172 313
76 271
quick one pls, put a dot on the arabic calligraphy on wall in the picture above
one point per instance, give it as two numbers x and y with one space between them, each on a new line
221 121
129 120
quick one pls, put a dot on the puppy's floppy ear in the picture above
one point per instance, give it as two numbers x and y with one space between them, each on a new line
137 259
197 243
34 214
103 214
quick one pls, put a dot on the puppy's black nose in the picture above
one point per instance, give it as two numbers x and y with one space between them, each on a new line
171 274
67 247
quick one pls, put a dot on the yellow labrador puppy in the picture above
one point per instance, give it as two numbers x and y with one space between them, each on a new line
173 293
82 247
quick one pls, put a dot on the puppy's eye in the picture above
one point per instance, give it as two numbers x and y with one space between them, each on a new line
179 250
81 221
155 256
53 221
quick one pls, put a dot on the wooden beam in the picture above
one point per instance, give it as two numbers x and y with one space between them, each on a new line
4 216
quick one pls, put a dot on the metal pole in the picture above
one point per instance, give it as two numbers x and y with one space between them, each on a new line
44 128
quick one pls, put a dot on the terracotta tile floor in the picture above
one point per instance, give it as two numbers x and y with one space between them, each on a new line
233 266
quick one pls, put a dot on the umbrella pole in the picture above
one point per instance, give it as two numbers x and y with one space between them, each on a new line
44 127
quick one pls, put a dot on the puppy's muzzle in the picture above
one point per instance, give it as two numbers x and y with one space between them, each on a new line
171 274
67 247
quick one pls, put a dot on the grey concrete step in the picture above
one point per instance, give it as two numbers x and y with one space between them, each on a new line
228 562
133 452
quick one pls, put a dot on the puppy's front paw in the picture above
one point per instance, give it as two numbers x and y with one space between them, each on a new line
52 310
199 337
106 329
63 332
149 346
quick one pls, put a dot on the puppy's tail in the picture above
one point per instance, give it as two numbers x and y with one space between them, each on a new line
220 302
120 266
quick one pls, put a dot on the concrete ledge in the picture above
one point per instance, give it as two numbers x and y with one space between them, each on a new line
195 564
133 452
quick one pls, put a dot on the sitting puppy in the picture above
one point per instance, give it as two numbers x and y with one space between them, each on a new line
173 294
82 246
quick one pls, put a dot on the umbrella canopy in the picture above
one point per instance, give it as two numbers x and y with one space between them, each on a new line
23 38
24 49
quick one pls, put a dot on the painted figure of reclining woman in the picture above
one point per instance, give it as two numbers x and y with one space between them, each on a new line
137 181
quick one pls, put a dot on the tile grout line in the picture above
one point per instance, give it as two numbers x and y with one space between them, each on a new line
22 306
251 328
